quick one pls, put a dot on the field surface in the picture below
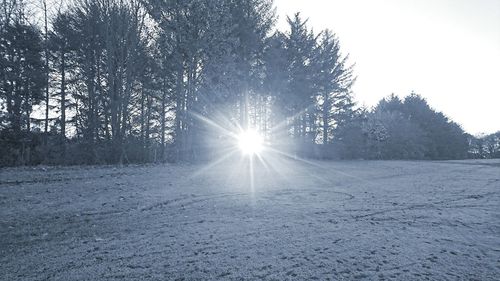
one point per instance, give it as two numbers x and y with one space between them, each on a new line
282 220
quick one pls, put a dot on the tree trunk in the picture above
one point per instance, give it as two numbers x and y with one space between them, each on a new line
142 118
47 97
163 126
63 97
179 113
326 109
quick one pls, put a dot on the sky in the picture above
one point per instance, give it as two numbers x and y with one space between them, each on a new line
448 51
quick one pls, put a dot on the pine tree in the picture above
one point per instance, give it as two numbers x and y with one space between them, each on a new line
20 49
335 79
300 98
60 44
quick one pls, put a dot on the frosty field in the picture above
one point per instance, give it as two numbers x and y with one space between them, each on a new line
373 220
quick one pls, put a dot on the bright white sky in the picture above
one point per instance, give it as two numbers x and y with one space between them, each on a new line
448 51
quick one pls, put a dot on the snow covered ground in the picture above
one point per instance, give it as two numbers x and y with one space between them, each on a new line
373 220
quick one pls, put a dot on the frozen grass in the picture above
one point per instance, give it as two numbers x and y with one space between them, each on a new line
292 220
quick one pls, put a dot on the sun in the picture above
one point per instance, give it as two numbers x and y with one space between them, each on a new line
250 142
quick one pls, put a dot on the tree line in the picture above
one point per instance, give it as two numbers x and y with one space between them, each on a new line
111 81
484 147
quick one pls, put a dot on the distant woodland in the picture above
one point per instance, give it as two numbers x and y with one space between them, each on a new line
110 81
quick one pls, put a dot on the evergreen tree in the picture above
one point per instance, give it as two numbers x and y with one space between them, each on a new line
443 139
23 76
60 44
23 71
298 102
335 79
275 84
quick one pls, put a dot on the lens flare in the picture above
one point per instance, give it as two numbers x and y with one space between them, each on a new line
250 142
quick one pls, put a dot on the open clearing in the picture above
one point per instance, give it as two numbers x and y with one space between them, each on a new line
379 220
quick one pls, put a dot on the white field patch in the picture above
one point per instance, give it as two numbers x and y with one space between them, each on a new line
370 220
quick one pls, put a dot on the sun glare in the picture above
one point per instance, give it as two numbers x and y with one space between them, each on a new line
250 142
